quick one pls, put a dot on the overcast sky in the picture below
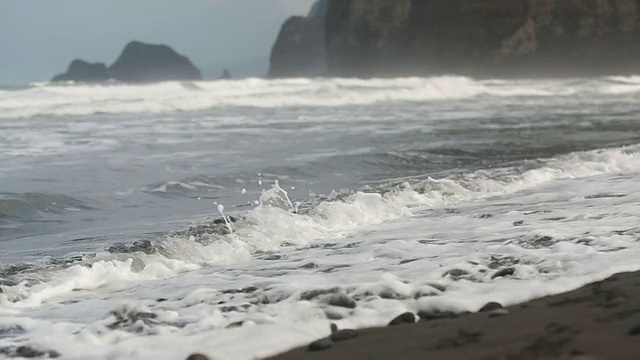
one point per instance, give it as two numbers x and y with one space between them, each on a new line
39 38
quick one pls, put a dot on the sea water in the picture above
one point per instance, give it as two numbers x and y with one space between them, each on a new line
240 218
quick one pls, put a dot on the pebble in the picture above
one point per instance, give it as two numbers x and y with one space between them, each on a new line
322 344
333 327
406 318
342 300
498 312
614 302
197 357
504 272
491 306
433 315
455 273
344 334
635 331
29 352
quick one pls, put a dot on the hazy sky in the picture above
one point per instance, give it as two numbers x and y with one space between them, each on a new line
39 38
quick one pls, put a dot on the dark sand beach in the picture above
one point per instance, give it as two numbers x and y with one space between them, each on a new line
598 321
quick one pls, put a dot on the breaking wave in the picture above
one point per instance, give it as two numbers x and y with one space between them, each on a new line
278 222
51 100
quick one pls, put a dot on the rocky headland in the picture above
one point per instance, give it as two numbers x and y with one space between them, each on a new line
138 63
300 50
479 38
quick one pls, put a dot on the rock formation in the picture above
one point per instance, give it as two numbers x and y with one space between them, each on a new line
83 71
139 62
300 48
483 38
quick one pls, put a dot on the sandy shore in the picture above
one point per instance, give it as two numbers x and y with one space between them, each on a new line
598 321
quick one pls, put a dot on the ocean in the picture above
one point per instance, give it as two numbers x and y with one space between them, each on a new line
240 218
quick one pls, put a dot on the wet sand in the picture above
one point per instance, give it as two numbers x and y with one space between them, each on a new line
597 321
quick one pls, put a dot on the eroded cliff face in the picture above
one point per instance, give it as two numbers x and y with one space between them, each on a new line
299 50
483 38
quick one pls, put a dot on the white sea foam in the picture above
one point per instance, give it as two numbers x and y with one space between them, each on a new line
71 100
385 250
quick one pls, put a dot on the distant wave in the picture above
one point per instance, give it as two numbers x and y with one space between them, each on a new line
49 100
31 206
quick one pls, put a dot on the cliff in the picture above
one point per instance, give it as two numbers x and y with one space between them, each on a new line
483 38
299 50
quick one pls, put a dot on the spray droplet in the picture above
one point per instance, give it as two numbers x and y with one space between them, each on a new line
293 188
256 202
244 191
259 181
198 198
221 208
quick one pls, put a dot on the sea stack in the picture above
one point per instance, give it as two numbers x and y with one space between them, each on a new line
138 63
83 71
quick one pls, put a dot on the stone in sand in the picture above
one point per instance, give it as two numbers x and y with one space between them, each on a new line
344 334
491 306
322 344
197 357
436 315
635 331
406 318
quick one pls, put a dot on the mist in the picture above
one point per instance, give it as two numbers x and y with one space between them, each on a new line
39 38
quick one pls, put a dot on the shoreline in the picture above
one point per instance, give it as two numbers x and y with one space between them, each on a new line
600 320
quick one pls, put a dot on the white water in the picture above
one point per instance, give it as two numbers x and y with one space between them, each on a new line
59 100
403 225
440 174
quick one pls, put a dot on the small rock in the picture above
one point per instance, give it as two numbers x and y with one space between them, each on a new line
406 318
333 315
334 328
341 300
438 287
435 315
197 357
344 334
518 223
161 300
614 302
322 344
28 352
635 331
498 313
235 324
491 306
504 272
455 273
312 294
